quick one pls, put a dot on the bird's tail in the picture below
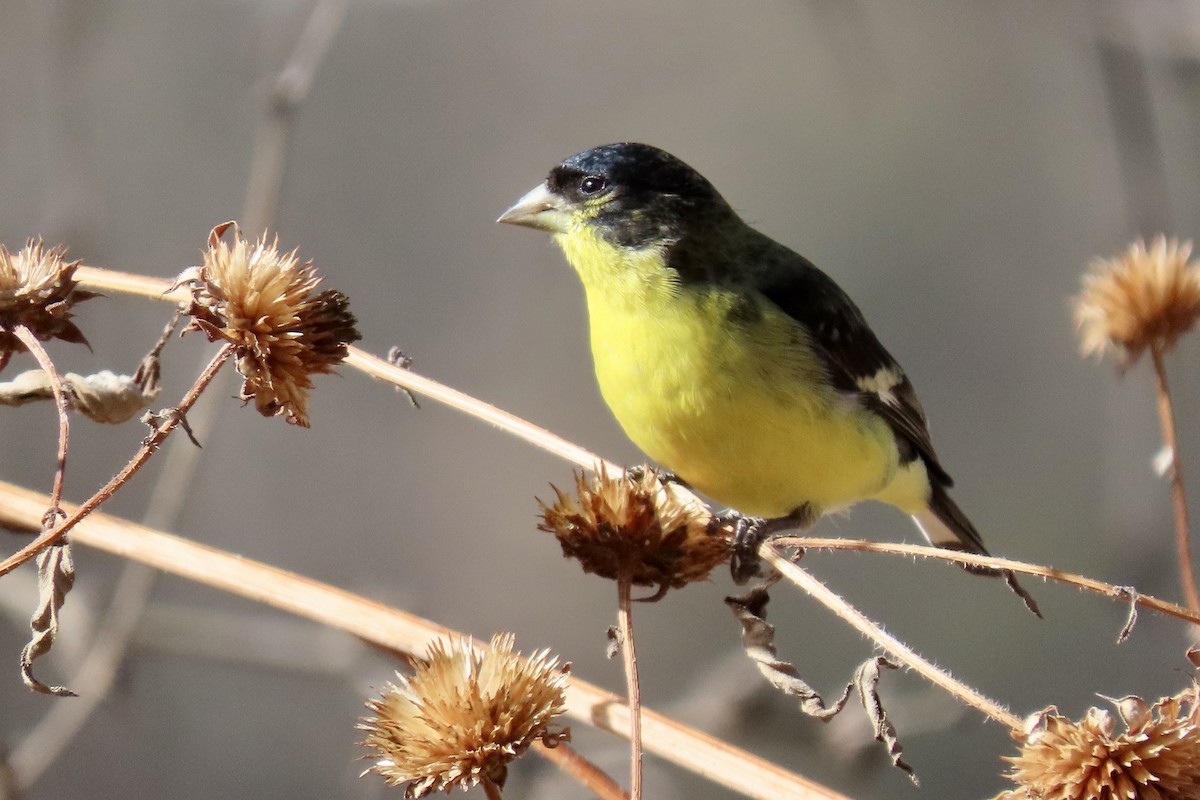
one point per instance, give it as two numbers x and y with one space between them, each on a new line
945 525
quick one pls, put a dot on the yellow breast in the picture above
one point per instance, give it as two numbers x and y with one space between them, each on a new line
727 395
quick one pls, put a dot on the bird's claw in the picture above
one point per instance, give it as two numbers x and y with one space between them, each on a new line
748 534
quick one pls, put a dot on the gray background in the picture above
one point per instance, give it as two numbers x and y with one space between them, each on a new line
953 165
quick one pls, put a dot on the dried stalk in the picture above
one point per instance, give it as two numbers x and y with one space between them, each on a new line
1166 420
590 776
1122 593
632 684
39 353
886 641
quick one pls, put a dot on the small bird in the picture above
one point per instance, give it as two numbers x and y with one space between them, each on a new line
734 362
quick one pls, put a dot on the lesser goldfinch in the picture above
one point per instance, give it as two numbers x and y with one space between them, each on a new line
731 360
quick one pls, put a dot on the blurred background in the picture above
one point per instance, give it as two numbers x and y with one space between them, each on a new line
953 165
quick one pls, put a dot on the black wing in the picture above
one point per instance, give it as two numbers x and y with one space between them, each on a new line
856 361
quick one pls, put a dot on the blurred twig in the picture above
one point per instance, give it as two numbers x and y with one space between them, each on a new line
1166 420
1135 126
287 94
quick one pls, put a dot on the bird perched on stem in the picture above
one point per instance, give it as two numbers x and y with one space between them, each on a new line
734 362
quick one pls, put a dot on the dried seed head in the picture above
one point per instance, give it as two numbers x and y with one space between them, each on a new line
1145 297
464 715
262 302
38 291
1156 758
635 525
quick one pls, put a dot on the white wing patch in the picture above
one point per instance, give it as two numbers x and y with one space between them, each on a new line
881 384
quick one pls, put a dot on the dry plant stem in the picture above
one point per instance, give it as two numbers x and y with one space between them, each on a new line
1166 419
588 774
131 284
460 401
39 353
149 445
155 288
633 686
1050 573
491 789
885 640
391 628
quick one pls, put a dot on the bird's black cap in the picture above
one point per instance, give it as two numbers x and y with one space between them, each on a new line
649 195
635 167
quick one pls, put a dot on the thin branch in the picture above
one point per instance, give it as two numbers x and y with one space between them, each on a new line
39 353
149 445
633 686
157 289
391 628
1166 419
582 770
131 283
922 551
509 423
885 640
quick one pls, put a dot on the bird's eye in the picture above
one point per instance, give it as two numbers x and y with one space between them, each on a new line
592 184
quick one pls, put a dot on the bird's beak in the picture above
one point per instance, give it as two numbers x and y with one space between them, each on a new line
541 209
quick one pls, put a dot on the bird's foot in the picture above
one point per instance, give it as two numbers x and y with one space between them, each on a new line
750 532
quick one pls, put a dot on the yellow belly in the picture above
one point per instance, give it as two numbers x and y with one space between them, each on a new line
738 410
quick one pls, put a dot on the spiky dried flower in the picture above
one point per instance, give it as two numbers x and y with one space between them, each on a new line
262 302
38 291
1157 757
1146 297
635 525
464 715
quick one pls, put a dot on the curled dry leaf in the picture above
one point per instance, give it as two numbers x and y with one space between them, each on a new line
104 397
56 576
758 640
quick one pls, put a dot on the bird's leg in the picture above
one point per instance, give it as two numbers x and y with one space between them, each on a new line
750 532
